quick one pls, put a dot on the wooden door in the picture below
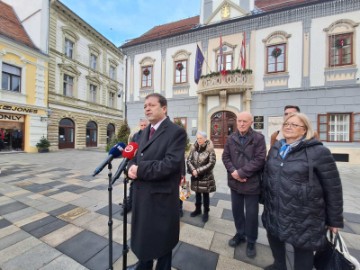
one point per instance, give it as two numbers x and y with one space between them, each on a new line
223 123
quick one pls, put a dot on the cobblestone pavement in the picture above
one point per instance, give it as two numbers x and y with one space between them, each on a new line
54 215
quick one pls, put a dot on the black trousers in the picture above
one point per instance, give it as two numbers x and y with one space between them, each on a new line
245 210
206 198
163 263
303 259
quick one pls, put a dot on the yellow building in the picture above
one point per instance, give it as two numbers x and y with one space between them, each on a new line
24 86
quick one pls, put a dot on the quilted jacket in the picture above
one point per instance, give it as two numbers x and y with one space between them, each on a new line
303 195
202 158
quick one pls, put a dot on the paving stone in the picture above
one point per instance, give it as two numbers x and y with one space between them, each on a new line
352 217
48 228
11 207
101 259
62 210
83 246
196 236
105 210
225 263
227 214
61 235
4 223
38 223
189 257
262 259
33 258
14 251
63 262
12 239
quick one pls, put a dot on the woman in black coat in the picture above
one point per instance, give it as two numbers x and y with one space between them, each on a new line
200 164
302 194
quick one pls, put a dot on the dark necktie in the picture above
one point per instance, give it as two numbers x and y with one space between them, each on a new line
152 131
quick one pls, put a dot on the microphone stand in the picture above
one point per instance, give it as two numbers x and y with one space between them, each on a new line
110 222
125 208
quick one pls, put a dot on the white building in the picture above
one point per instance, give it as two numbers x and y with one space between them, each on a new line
297 52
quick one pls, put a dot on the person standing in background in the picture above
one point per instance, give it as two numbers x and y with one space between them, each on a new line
244 159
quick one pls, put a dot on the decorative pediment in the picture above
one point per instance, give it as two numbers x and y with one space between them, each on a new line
276 37
225 11
94 49
341 26
147 61
181 54
113 62
226 47
94 79
68 68
70 32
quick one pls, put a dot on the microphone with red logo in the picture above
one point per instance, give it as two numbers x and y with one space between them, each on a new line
114 152
128 154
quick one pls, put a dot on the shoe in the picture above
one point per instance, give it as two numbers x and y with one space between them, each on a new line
181 213
251 250
133 266
205 217
236 240
127 212
195 213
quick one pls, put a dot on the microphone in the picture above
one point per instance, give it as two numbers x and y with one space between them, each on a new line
128 154
114 152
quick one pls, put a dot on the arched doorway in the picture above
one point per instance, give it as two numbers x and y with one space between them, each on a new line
91 134
66 133
110 133
222 125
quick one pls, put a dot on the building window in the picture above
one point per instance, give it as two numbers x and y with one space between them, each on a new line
11 78
68 89
341 47
181 121
181 71
335 127
146 78
93 60
111 102
224 62
276 56
93 93
69 48
112 72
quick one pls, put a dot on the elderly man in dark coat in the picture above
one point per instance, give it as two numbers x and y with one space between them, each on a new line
244 159
156 171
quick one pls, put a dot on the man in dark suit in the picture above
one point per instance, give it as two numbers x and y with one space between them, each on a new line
156 171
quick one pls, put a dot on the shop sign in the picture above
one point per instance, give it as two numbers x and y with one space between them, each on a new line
17 109
11 117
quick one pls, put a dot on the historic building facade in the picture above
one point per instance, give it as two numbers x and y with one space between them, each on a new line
24 86
258 56
85 83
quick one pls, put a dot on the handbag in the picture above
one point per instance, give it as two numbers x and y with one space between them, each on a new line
333 256
184 189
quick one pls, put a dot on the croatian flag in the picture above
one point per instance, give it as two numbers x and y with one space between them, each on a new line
198 64
243 53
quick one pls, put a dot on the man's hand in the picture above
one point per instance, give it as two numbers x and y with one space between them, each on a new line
132 172
236 176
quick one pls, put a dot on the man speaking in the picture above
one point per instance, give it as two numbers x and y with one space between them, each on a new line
156 171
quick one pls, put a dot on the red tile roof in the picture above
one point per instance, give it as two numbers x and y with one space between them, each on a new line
166 30
11 27
178 27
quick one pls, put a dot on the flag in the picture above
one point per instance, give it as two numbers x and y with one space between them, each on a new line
243 53
198 64
221 54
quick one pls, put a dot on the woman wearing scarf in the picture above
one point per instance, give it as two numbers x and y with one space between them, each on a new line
302 194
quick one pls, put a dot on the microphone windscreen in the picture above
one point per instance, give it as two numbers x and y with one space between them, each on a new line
130 150
117 149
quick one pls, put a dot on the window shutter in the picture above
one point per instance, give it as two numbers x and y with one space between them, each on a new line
322 127
356 127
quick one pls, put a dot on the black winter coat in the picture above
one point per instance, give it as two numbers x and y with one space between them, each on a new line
247 159
302 195
202 158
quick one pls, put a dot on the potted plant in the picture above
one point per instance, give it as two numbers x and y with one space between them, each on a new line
43 145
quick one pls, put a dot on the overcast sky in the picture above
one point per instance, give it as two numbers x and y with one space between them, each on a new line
121 20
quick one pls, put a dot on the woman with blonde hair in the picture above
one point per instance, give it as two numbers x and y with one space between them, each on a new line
302 194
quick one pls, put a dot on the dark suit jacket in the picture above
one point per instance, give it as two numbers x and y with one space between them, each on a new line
155 210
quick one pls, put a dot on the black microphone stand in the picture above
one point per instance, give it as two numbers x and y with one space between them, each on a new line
110 222
125 208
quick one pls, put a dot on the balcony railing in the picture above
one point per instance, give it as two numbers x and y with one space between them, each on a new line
233 82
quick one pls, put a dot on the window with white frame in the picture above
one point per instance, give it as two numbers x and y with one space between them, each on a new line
112 72
181 71
69 48
93 61
11 78
111 101
93 93
341 49
224 61
276 56
68 86
337 127
146 78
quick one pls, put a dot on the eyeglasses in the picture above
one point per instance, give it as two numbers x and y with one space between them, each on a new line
292 125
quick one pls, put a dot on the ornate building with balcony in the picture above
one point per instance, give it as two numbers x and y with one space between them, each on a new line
254 55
